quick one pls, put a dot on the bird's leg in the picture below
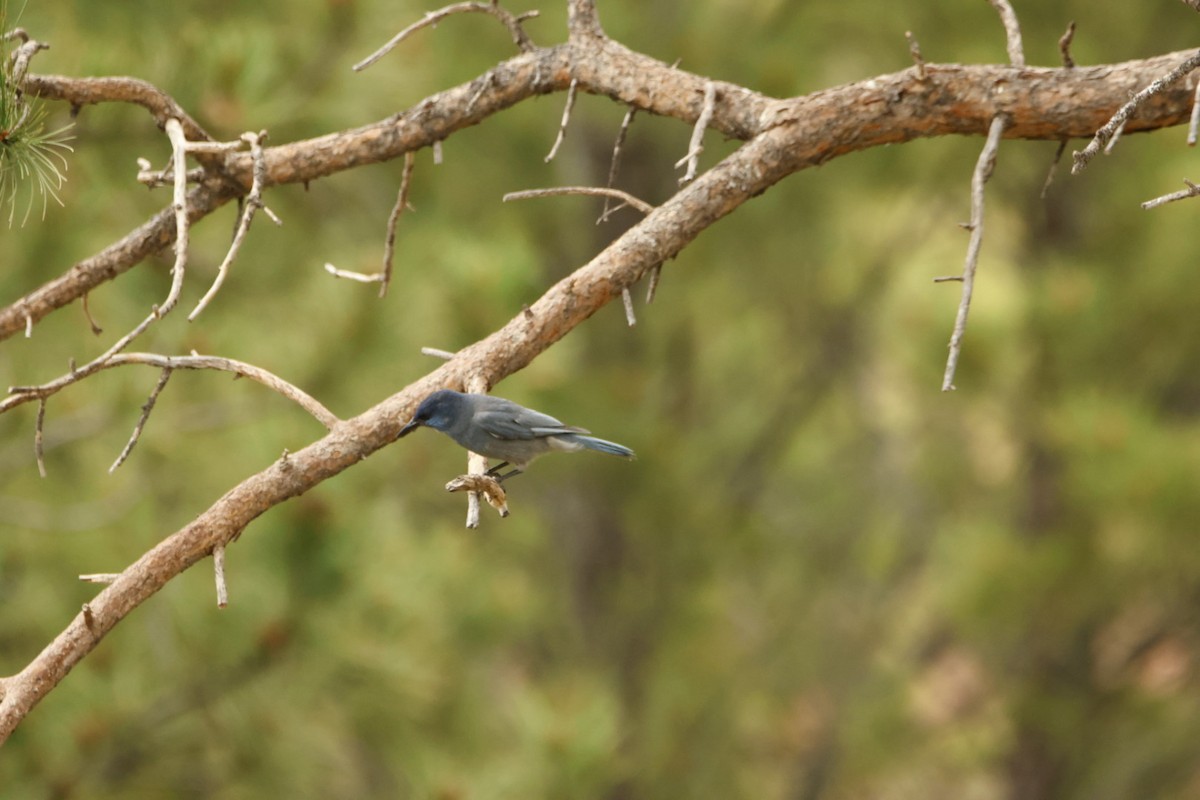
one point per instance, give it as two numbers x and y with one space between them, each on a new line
494 471
502 478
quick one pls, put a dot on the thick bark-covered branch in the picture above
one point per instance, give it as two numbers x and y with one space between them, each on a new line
1043 103
782 137
656 239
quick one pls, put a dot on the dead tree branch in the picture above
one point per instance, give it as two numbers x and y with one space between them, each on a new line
1044 103
781 137
25 394
431 19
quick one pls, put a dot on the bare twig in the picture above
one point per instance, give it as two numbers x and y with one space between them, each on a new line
179 147
153 178
566 120
389 246
1064 45
1183 194
627 300
22 394
914 50
163 377
252 203
1116 137
432 18
652 286
983 171
696 146
1012 32
361 277
1194 122
100 577
384 276
218 556
1082 157
614 164
445 355
595 191
38 446
87 312
477 465
1058 154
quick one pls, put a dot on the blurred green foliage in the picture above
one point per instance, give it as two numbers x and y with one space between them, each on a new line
822 578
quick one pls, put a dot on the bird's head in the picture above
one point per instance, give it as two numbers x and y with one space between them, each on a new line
438 411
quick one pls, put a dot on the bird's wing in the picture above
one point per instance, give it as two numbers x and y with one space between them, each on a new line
512 421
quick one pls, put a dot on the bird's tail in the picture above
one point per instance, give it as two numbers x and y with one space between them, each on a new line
604 446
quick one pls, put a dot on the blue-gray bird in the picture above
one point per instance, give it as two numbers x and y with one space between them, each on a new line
499 428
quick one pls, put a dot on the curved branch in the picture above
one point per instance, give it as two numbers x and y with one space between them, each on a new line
783 137
1042 103
660 236
115 89
432 18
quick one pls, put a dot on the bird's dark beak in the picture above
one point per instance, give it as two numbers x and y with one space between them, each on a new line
409 428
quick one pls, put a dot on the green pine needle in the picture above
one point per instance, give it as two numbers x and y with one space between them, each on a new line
30 156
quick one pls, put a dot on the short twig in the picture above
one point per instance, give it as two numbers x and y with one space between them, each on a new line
153 178
1125 112
446 355
87 312
163 377
361 277
1058 154
38 446
596 191
89 618
1182 194
627 299
252 203
487 81
983 171
1116 137
432 18
218 555
696 145
389 245
566 120
615 162
1194 122
1012 32
1064 45
914 50
652 285
100 577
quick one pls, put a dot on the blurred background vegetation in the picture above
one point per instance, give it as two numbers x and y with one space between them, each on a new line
823 578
